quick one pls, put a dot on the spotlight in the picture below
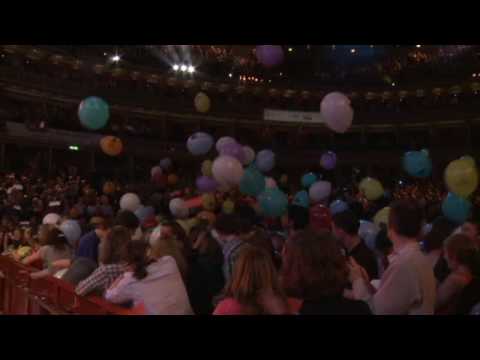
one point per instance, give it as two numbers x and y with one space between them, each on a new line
116 58
191 69
418 46
353 51
175 67
230 75
183 68
290 49
393 84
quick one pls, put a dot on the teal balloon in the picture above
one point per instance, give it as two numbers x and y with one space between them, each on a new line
93 113
456 208
308 180
252 182
417 163
273 202
302 199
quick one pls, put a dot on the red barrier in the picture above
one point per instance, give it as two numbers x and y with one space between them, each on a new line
21 295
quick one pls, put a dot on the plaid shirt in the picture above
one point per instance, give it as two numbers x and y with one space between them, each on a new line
231 251
100 279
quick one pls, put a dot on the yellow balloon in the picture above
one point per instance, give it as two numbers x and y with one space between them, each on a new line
461 176
371 188
381 217
228 207
202 102
208 202
207 168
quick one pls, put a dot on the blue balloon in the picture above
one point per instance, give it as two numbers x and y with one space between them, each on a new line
308 180
273 202
456 208
417 163
338 206
93 113
368 231
265 160
302 199
199 143
72 231
144 212
252 182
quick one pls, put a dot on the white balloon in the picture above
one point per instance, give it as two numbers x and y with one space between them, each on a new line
72 231
319 191
336 111
130 201
249 155
227 171
51 219
178 208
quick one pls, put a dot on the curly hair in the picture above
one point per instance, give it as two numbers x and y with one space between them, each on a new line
313 266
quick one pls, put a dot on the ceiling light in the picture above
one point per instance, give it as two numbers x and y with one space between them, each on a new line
474 75
290 49
393 84
183 68
116 58
418 46
230 75
352 51
191 69
175 67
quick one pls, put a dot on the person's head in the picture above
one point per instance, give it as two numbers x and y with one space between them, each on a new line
313 266
127 219
118 238
460 250
136 256
405 221
345 226
442 228
57 239
163 243
471 227
253 274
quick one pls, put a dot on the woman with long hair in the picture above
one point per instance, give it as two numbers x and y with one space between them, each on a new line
254 288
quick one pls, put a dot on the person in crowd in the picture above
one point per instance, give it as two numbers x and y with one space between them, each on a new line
314 271
112 265
384 249
56 248
461 289
205 277
254 288
471 227
407 287
154 283
89 243
129 220
345 228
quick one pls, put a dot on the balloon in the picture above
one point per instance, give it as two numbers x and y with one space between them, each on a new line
111 145
417 163
273 202
51 219
209 202
461 176
456 208
269 55
368 231
130 201
199 143
228 207
270 183
248 155
178 208
338 206
265 160
336 111
71 230
160 179
320 218
207 168
202 102
93 113
308 180
328 160
206 184
224 141
144 212
426 229
302 199
227 170
235 150
172 179
381 217
155 170
371 188
207 216
108 188
284 179
165 163
320 191
252 183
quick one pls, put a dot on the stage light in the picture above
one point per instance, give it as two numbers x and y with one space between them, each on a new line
104 54
230 75
474 75
191 69
116 58
290 49
183 68
353 51
418 46
393 84
175 67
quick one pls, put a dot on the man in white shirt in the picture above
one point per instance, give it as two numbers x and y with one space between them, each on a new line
408 285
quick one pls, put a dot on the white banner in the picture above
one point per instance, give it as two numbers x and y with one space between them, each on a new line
292 116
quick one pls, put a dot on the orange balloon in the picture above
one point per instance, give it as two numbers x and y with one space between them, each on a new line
172 179
108 188
111 145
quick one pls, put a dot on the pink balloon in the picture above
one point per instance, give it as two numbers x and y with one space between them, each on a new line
224 141
337 112
227 170
269 55
233 149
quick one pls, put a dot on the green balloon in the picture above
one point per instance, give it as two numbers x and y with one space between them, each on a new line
273 202
93 113
252 182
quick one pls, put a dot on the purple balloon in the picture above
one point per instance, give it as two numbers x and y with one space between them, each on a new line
265 160
328 160
234 150
269 55
206 184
